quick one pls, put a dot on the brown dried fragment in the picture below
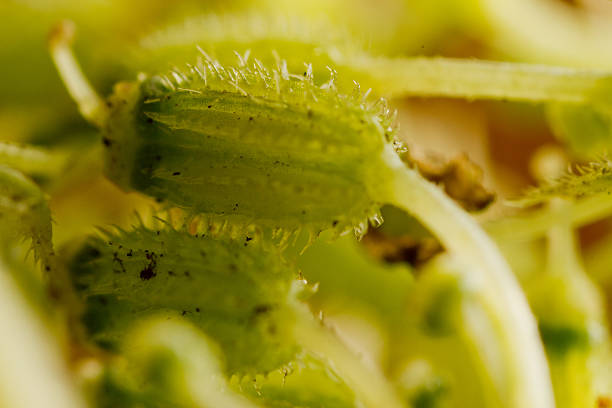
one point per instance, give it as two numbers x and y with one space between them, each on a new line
461 178
463 183
396 249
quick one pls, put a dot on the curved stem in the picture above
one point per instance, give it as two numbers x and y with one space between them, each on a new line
368 384
472 79
89 102
525 381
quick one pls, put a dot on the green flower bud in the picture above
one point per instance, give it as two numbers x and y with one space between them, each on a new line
235 290
251 144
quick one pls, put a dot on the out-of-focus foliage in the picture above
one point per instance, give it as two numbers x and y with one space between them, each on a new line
220 313
587 131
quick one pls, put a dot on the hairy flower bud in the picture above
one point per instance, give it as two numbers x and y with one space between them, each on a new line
234 290
251 144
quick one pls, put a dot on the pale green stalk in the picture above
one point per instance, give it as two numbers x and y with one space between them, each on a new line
477 79
32 374
525 380
274 38
88 101
537 223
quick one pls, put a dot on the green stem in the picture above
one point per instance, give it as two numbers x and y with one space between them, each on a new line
539 222
368 384
472 79
89 102
525 381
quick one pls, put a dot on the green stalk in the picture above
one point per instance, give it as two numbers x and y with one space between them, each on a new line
88 101
525 380
538 222
446 77
473 79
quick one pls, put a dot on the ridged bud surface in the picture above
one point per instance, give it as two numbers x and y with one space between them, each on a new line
251 144
236 291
